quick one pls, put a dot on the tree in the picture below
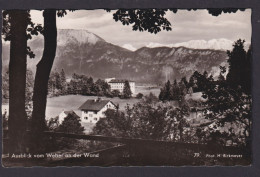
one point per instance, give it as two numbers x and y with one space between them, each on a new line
140 121
115 93
227 105
127 93
5 85
18 28
71 124
102 88
181 123
175 91
18 20
162 94
221 77
63 82
115 124
146 119
150 99
182 90
247 81
28 92
57 80
42 75
53 124
239 67
198 81
166 92
185 82
153 20
205 74
191 83
51 84
73 85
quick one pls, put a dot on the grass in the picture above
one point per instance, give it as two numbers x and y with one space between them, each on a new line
56 105
146 90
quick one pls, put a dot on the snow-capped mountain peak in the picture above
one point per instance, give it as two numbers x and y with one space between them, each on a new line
129 47
154 45
216 44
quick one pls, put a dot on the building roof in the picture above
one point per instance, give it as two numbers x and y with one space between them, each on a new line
67 112
119 81
93 105
71 112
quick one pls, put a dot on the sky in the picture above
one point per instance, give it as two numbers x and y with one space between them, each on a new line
186 26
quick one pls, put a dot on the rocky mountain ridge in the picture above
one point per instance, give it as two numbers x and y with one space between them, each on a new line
83 52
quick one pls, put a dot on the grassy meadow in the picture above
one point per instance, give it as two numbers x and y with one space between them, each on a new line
55 105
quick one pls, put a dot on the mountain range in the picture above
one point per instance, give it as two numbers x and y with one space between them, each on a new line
83 52
215 44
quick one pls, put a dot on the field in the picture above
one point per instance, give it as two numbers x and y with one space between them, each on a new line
56 105
146 90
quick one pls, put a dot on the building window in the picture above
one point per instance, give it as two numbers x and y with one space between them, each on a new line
95 118
86 118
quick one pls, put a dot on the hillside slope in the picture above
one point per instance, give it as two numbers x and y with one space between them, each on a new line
80 51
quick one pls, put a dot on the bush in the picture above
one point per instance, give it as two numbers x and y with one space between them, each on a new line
71 124
115 93
139 96
146 120
53 123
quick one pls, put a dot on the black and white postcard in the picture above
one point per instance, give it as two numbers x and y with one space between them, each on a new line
126 87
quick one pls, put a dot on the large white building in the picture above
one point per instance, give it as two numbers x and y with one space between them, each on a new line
118 84
93 110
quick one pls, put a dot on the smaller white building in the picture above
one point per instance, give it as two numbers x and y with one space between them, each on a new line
93 110
64 114
117 84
